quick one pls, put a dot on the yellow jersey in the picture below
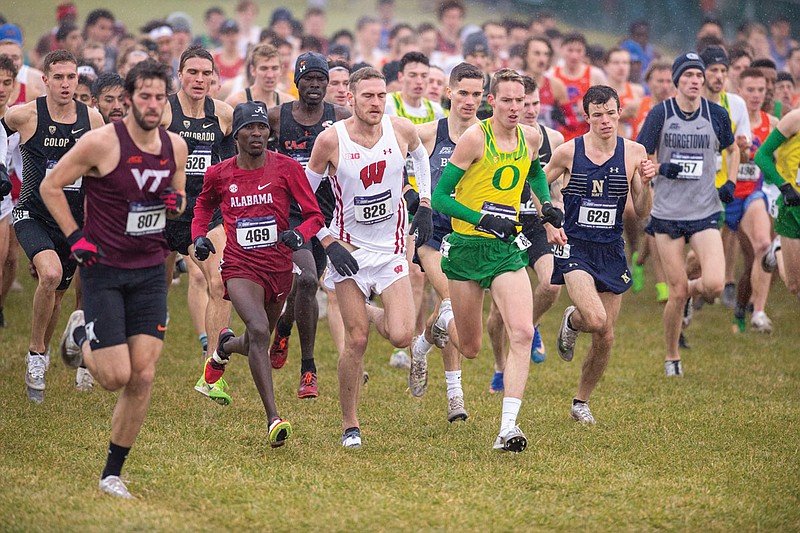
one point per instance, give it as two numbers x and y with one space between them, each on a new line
787 161
494 184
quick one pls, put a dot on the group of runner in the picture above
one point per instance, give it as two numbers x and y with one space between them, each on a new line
376 194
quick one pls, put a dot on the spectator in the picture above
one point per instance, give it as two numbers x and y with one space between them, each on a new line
387 21
69 38
497 36
213 19
451 18
368 33
638 44
228 59
249 32
784 91
517 31
99 28
182 35
314 25
741 59
94 54
780 41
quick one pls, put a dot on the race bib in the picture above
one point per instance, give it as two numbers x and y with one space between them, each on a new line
261 232
691 165
596 215
198 161
499 210
373 209
444 249
748 172
561 251
145 219
522 241
528 208
51 164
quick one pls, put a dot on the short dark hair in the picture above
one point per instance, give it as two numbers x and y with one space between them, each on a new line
213 11
764 63
363 21
656 65
465 71
599 95
425 27
530 84
792 51
575 38
504 75
311 43
7 64
365 73
398 27
58 56
149 69
338 63
64 30
740 50
537 39
413 57
513 24
711 20
83 79
607 55
784 76
98 14
752 73
106 80
192 52
447 5
343 33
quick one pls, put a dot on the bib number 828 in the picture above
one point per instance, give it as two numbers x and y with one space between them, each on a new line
374 211
258 235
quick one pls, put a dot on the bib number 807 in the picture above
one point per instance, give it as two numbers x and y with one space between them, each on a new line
148 221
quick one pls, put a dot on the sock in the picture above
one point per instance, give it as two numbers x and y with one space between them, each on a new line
447 316
307 365
283 329
569 322
79 336
203 338
510 411
577 401
116 458
423 343
453 379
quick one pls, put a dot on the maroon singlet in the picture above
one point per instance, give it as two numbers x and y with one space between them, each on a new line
124 214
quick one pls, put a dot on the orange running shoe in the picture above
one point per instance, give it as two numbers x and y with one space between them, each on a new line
308 386
279 351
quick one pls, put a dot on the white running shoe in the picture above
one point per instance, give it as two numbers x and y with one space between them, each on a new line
511 440
439 329
84 380
352 438
455 409
761 323
34 375
400 359
770 261
673 368
70 352
113 485
418 373
581 413
567 336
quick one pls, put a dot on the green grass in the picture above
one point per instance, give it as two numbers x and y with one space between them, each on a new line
716 450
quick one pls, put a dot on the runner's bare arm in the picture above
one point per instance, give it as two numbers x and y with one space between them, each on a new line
641 171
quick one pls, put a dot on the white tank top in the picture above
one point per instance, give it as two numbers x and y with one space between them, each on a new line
370 212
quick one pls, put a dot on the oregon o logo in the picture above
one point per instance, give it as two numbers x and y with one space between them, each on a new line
501 177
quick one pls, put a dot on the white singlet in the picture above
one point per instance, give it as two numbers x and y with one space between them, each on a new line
370 212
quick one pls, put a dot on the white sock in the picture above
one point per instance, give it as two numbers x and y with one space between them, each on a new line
510 411
447 316
453 379
423 343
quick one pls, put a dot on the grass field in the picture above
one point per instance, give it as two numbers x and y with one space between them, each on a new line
716 450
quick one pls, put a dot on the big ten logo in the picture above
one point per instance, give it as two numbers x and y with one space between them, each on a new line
505 178
373 173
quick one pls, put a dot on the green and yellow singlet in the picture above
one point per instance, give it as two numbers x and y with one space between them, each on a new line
401 110
722 173
787 159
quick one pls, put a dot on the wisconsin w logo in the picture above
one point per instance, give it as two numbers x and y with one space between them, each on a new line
373 173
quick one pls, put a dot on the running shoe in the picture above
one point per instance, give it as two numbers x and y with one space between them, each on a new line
216 391
34 375
761 323
439 329
683 343
739 319
84 380
581 413
538 353
279 351
729 295
308 386
637 274
215 365
70 352
418 372
567 336
279 431
511 440
114 486
497 383
400 359
455 409
673 368
351 438
770 261
688 312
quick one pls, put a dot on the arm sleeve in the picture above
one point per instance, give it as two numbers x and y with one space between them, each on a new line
723 127
3 146
9 131
651 129
538 181
422 170
445 204
314 179
765 161
227 147
207 201
300 190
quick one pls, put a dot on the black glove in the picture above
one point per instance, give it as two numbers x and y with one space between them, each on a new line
790 196
292 238
343 261
527 193
726 192
422 225
500 227
670 170
173 200
203 247
552 215
5 182
412 200
84 252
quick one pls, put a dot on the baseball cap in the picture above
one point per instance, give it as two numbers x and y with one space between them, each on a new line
11 32
67 9
714 55
476 43
180 22
310 62
249 113
229 26
684 62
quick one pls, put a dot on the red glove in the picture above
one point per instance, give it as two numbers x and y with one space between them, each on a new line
173 200
84 252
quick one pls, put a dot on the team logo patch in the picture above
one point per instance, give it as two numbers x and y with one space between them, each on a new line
233 188
52 129
186 123
398 269
352 156
327 124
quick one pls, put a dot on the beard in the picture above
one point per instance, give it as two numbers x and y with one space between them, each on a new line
140 120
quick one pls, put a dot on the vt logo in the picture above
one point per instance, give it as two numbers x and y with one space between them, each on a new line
142 176
373 173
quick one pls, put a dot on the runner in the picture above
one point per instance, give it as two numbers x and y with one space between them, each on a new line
540 254
479 254
618 70
134 178
684 135
48 128
254 190
339 76
8 83
465 91
556 110
108 97
364 155
264 66
295 126
590 252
